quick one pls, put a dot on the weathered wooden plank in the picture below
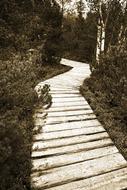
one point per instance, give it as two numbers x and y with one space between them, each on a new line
59 104
64 90
43 144
69 133
62 160
114 180
62 119
65 95
68 108
72 148
69 113
68 99
78 171
71 125
63 113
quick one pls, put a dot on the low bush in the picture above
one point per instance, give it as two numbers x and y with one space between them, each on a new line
106 91
111 79
17 102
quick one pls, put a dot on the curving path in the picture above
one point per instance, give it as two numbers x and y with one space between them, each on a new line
73 151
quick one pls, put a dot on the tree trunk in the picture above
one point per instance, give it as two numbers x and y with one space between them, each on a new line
102 39
98 46
100 33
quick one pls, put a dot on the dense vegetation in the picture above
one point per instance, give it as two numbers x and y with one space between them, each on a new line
26 24
106 89
79 37
27 30
80 31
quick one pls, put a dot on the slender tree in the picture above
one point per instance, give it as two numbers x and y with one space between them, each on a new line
103 9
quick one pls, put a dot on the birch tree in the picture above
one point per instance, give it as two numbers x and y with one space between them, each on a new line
103 8
123 28
102 11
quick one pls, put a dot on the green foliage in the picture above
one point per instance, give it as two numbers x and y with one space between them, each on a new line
24 25
17 103
112 74
106 91
15 20
109 84
51 52
79 37
17 99
113 25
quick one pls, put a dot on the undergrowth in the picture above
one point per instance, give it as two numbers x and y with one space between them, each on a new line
106 91
17 102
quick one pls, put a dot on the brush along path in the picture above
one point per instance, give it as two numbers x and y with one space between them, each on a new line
72 150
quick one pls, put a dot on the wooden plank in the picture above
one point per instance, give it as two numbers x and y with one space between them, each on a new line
69 99
64 94
59 104
68 113
78 171
68 141
62 113
68 108
71 125
72 148
69 133
114 180
62 160
62 119
56 85
64 90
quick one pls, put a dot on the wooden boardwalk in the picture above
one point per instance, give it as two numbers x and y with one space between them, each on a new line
72 150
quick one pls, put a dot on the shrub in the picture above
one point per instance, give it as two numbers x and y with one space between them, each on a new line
110 79
112 72
106 91
17 102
